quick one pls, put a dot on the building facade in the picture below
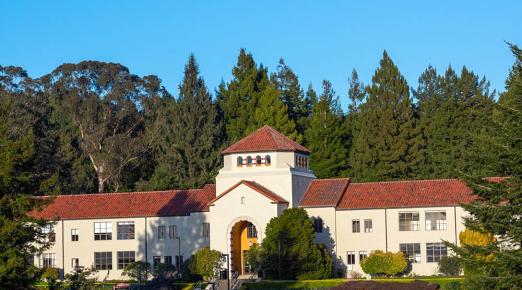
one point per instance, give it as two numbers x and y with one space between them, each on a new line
262 175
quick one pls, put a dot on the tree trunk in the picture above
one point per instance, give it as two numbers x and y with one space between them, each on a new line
101 184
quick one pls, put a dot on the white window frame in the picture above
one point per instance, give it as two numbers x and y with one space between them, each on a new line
103 229
439 224
368 226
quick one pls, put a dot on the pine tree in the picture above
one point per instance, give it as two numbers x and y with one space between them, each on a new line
389 143
239 98
272 111
499 208
452 108
356 95
250 100
195 131
292 95
327 135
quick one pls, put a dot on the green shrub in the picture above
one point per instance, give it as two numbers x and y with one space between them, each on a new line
379 263
450 266
206 263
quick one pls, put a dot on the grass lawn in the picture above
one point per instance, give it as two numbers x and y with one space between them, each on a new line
325 284
108 286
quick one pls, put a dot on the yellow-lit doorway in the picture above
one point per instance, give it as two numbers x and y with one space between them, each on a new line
243 236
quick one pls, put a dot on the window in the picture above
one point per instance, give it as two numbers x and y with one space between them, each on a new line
368 226
161 232
156 260
179 261
74 235
318 225
206 230
48 260
49 231
103 260
173 231
362 255
258 160
249 161
412 252
125 258
436 221
167 260
125 230
102 231
350 260
267 160
251 231
356 226
409 221
75 263
435 251
239 161
242 200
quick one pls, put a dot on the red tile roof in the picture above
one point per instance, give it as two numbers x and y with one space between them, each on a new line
257 187
265 139
325 192
399 194
128 204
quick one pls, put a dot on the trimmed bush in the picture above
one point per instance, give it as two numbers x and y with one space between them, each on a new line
380 263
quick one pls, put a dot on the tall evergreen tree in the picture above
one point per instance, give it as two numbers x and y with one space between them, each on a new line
327 135
389 143
245 101
356 95
21 237
292 95
497 265
452 108
196 135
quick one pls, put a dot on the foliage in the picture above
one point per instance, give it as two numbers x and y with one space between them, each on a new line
138 270
21 236
206 263
326 136
51 276
254 258
450 266
388 144
79 279
289 251
380 263
497 211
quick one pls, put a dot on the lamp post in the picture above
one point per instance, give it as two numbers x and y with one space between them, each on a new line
228 269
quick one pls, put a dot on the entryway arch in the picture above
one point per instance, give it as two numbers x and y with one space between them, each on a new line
244 232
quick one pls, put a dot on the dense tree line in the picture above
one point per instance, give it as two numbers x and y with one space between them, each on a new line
94 126
97 127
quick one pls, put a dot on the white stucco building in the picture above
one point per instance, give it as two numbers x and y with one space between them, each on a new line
263 174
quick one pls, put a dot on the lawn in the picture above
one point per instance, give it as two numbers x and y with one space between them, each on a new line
329 283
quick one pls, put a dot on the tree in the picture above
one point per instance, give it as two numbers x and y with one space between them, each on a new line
21 236
251 100
206 263
298 104
195 134
380 263
138 270
254 258
104 101
450 266
79 279
388 144
498 209
452 109
289 251
327 135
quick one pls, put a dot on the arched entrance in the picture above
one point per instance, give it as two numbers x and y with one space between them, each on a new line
242 236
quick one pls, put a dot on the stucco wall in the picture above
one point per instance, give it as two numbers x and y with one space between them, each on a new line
188 227
228 210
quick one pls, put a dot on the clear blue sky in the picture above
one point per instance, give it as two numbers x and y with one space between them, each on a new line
318 39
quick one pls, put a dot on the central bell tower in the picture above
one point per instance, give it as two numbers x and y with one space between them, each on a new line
270 159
